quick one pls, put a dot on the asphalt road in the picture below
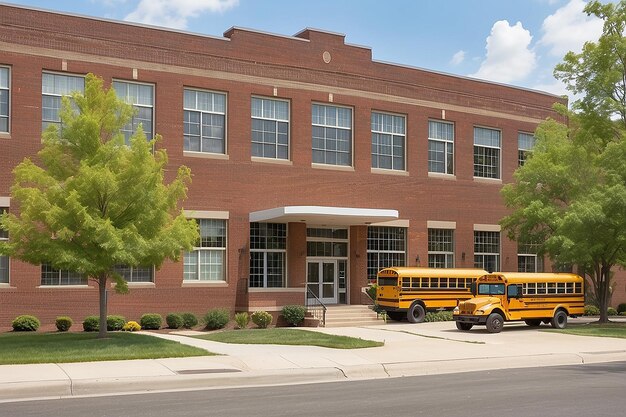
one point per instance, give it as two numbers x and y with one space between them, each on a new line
586 390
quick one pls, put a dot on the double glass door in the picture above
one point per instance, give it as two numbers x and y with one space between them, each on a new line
327 280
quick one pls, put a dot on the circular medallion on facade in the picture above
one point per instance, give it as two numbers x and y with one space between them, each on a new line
326 57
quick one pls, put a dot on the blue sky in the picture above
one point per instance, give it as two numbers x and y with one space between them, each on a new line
511 41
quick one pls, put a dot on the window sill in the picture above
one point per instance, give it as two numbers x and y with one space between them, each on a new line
488 180
271 160
277 289
65 287
206 155
5 135
442 176
141 284
214 284
389 172
7 286
332 167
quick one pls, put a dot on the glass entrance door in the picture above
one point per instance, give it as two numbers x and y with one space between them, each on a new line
322 280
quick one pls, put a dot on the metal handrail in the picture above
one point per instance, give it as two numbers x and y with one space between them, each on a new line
315 308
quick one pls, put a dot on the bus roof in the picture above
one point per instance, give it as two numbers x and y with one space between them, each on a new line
414 271
521 277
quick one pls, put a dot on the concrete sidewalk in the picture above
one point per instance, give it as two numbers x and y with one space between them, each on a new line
409 350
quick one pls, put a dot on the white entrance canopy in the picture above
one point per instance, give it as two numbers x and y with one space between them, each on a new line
318 215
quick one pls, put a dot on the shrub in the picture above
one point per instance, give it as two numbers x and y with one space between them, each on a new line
189 320
591 310
91 324
242 319
433 316
294 314
63 323
115 323
611 311
621 308
174 321
371 291
216 318
151 321
131 326
261 318
26 323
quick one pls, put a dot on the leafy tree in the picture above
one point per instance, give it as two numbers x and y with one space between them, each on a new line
570 196
91 202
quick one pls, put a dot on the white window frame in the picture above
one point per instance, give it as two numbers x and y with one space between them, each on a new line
447 143
277 122
59 272
46 123
372 270
484 255
198 249
132 270
224 114
131 123
523 150
448 255
498 148
392 134
265 252
335 126
7 88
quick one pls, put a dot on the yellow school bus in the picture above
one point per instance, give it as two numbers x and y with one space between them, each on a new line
408 292
515 296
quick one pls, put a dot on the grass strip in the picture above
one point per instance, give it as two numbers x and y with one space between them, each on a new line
23 348
285 336
617 330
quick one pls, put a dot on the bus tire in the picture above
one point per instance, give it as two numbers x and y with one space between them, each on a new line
533 322
494 323
559 321
464 326
395 316
416 313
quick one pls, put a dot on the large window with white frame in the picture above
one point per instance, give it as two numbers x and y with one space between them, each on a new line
525 145
51 276
527 258
53 88
386 247
487 250
440 147
141 97
270 128
268 255
5 85
204 121
332 135
4 259
388 141
135 273
440 248
207 261
487 143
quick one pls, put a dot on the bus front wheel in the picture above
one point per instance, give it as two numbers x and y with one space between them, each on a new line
494 323
464 326
416 313
559 321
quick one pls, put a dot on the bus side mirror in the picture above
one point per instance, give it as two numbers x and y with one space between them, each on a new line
513 291
473 288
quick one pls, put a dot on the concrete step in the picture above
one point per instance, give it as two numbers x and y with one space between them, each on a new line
351 315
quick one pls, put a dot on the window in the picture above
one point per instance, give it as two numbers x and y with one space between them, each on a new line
53 88
268 252
207 261
440 248
487 250
332 135
386 247
270 128
440 147
323 242
141 97
525 145
486 153
4 260
204 121
4 99
388 141
135 273
527 259
51 276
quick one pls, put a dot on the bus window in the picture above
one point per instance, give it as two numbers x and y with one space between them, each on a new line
415 282
560 288
406 282
541 288
551 287
452 283
531 288
491 289
443 282
425 282
579 287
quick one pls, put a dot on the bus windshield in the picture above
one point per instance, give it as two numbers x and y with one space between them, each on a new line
490 289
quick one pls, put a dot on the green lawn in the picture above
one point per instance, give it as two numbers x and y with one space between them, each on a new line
84 347
596 329
282 336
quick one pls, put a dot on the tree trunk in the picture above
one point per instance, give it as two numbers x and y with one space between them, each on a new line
603 293
102 288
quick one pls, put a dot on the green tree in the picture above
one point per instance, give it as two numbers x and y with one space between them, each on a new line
92 202
570 196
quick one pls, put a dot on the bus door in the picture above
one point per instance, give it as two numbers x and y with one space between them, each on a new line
514 302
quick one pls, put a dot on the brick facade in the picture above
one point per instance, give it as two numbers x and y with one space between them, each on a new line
244 64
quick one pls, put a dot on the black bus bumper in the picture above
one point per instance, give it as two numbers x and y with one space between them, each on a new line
470 319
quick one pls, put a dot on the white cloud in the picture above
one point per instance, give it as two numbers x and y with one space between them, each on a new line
554 87
569 28
509 57
458 58
175 13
